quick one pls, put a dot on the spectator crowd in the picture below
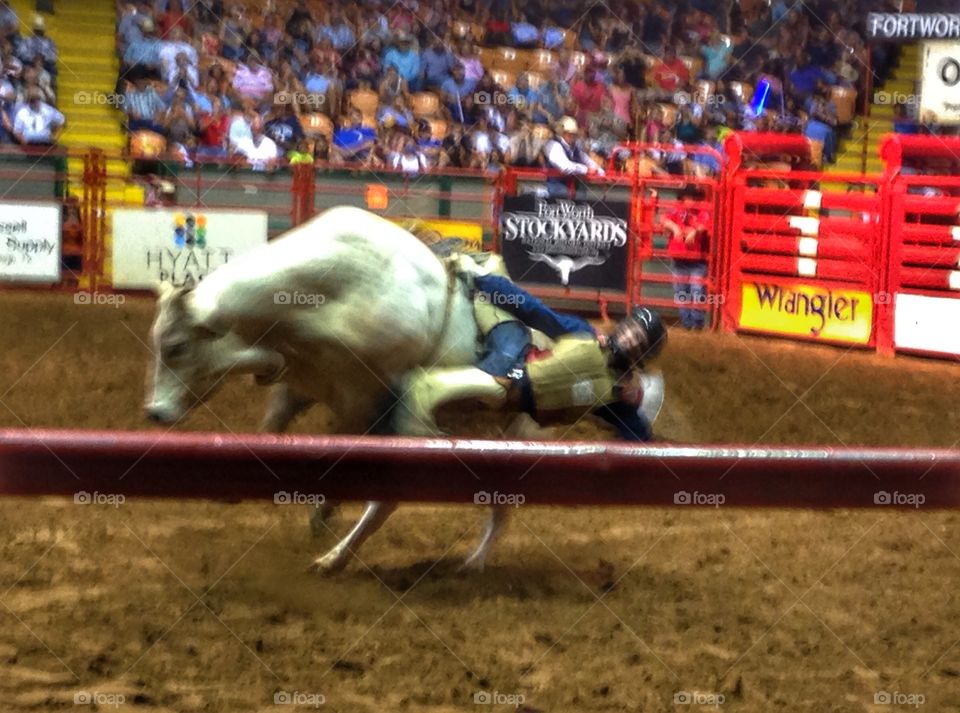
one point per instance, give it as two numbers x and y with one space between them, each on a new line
479 84
28 115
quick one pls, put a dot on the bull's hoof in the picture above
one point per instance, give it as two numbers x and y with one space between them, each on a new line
472 565
330 563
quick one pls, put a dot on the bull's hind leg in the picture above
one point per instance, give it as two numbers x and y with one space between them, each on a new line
499 517
523 428
375 514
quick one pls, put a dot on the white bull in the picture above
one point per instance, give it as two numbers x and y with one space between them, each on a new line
334 312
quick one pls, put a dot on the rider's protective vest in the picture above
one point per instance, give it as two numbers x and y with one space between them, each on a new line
574 377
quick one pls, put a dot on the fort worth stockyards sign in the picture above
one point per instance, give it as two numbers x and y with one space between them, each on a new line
572 243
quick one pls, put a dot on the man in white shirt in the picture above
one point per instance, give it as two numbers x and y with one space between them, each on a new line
260 150
565 155
37 123
170 50
240 125
410 160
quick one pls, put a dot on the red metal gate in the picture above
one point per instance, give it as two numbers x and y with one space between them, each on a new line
656 280
805 249
924 238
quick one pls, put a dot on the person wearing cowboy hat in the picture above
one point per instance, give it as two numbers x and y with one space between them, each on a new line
38 45
564 154
404 56
142 56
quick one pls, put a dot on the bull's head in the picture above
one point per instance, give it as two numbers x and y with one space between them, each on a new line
191 358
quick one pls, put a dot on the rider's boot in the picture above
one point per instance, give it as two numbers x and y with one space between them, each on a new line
428 389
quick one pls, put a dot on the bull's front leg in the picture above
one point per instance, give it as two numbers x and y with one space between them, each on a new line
375 514
285 405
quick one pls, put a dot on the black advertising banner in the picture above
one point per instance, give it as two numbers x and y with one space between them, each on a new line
552 241
914 26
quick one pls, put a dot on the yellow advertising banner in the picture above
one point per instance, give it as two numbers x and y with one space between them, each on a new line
470 233
839 315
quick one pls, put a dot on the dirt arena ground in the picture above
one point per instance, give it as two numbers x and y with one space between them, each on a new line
175 606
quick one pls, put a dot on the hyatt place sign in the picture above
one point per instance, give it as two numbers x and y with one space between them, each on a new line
913 26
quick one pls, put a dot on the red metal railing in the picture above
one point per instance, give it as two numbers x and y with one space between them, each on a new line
220 466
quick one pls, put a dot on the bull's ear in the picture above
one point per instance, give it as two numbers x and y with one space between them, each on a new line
189 283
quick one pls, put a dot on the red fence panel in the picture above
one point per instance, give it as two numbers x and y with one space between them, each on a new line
686 281
805 249
924 265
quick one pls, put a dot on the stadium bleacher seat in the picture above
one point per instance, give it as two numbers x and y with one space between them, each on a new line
542 61
845 99
694 65
147 144
506 80
365 101
581 59
317 124
425 104
742 90
536 79
703 90
438 128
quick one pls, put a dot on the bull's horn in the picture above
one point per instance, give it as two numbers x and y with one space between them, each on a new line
162 289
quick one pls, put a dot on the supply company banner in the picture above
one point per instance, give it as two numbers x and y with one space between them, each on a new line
30 242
